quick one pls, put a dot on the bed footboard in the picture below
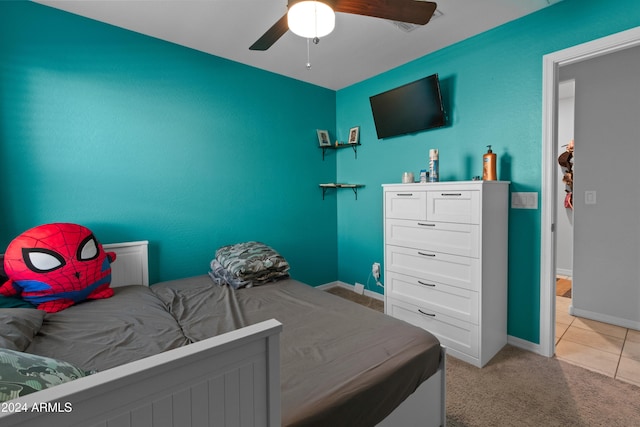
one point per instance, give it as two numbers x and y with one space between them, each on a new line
426 407
230 379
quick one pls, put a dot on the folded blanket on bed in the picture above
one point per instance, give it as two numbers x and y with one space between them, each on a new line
221 276
249 263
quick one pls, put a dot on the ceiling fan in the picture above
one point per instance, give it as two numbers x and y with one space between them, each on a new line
411 11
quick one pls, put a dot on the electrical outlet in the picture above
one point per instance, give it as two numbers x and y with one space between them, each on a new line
590 197
375 270
359 288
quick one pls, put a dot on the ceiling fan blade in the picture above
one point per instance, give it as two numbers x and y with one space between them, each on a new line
272 35
411 11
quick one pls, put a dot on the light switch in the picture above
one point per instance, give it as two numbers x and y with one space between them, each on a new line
590 197
523 200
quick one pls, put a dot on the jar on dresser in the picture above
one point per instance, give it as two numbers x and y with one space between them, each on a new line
445 262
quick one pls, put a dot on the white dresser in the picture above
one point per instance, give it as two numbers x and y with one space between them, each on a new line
445 262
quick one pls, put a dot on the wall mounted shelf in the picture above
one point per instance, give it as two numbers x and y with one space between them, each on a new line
337 146
354 187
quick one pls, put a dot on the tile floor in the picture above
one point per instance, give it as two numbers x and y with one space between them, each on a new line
611 350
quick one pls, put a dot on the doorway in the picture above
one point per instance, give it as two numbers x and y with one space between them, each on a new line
550 79
564 200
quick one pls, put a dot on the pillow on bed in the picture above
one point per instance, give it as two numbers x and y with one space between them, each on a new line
252 261
24 373
19 326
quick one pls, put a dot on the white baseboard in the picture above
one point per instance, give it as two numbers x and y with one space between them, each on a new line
328 285
524 344
564 272
605 318
367 292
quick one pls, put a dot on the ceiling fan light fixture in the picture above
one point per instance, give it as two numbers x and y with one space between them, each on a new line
311 19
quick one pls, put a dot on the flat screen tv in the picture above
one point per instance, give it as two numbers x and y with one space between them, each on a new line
410 108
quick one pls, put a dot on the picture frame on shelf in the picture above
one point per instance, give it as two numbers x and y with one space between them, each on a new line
323 138
354 135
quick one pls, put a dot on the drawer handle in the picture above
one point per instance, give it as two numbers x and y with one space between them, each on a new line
404 194
427 314
427 284
426 224
424 254
451 194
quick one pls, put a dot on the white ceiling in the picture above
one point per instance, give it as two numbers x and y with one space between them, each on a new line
359 47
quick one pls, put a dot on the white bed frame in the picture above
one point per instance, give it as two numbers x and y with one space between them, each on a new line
229 380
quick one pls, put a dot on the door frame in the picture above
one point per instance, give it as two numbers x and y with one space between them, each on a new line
551 64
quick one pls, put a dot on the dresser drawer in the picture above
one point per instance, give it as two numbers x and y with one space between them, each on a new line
454 270
406 204
454 206
450 300
451 238
452 333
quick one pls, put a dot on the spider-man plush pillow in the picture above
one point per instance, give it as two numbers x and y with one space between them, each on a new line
54 266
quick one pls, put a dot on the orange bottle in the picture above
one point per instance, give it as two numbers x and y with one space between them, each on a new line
489 166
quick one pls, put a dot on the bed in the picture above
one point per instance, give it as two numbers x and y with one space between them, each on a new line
188 352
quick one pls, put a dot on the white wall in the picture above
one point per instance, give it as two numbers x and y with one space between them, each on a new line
564 222
606 266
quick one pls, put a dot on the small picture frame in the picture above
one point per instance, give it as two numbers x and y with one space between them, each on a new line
323 138
354 135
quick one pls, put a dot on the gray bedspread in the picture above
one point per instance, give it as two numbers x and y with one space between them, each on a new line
101 334
341 363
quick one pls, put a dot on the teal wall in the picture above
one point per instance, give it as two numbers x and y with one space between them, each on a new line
138 139
141 139
492 89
